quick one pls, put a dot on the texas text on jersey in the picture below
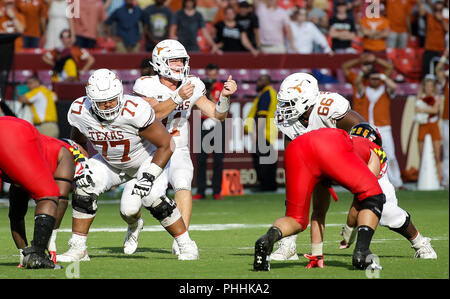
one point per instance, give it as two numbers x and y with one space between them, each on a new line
118 141
177 121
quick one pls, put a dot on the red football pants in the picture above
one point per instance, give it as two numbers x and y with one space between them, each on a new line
22 158
320 154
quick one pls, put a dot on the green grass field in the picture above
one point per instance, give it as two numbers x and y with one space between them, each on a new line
225 232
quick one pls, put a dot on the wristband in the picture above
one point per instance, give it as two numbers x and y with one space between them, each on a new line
383 77
154 170
223 104
443 59
176 98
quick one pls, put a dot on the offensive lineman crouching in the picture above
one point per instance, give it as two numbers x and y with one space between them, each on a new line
132 147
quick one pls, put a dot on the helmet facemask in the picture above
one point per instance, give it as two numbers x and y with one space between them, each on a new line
108 114
180 73
286 109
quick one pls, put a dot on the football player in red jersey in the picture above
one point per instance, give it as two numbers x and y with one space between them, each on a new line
63 158
367 145
307 162
23 162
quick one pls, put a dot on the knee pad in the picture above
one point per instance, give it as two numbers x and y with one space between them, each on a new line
374 203
165 211
404 226
181 184
85 204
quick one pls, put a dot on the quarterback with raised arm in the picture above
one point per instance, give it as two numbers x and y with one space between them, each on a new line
132 147
173 93
302 108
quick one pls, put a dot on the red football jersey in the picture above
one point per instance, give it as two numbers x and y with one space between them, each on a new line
363 147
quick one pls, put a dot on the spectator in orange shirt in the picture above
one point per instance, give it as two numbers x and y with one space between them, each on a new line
92 13
374 104
223 4
398 14
367 62
436 28
12 21
374 31
34 12
67 62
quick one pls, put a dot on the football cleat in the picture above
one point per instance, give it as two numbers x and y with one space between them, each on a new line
424 250
175 248
363 260
52 255
77 252
349 235
188 251
198 196
36 259
262 250
315 261
218 196
287 250
130 243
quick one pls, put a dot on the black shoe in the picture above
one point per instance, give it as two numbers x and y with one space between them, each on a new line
362 259
262 252
37 259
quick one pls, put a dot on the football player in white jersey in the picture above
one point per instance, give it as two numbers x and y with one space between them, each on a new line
302 108
131 147
173 93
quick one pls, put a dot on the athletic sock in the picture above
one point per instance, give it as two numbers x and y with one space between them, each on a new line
365 234
52 242
183 238
417 241
79 238
316 249
274 234
347 232
43 227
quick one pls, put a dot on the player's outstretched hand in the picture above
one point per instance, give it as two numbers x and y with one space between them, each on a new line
229 87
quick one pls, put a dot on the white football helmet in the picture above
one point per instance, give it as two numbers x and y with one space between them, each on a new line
298 92
163 52
104 85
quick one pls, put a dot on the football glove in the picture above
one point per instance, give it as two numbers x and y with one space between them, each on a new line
143 185
315 261
83 175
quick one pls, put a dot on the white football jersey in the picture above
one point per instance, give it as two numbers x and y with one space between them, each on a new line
118 141
329 107
177 121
